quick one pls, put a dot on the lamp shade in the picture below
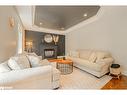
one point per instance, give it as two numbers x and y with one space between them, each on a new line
29 44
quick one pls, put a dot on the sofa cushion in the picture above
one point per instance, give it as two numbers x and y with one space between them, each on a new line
17 77
18 62
35 61
102 54
88 64
85 54
93 57
4 67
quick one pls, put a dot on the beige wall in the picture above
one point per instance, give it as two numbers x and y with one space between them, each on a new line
107 32
8 36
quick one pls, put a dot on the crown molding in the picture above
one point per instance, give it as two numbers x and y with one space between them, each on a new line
40 29
86 22
29 25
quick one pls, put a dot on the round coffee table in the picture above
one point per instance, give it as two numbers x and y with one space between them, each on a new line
65 66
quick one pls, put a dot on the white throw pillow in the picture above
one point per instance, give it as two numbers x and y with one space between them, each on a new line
102 54
93 57
34 60
18 62
4 67
74 54
13 64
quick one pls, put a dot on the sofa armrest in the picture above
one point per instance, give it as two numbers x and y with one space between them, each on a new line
108 60
105 60
18 75
105 63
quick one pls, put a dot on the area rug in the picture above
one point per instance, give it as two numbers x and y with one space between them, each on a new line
79 79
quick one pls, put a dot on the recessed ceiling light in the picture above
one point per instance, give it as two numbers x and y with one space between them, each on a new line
85 15
40 23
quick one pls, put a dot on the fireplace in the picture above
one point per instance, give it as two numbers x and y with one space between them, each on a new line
49 53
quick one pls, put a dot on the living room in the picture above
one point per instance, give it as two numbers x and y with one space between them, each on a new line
53 47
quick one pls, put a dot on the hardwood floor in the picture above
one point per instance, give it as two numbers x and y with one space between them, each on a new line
114 83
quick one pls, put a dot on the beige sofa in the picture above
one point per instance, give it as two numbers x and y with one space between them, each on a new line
92 61
40 76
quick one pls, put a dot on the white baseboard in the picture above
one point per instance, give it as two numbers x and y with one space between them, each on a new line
124 73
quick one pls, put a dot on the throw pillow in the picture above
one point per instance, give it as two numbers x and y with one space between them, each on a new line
34 60
4 67
18 62
102 54
93 57
13 64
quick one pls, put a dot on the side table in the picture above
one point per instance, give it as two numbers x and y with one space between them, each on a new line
115 71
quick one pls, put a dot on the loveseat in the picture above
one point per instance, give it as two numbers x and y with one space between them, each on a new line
40 75
92 61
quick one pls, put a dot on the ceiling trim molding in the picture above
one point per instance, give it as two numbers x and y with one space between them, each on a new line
29 24
71 29
40 29
88 21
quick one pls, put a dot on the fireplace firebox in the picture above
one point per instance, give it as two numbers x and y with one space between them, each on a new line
49 53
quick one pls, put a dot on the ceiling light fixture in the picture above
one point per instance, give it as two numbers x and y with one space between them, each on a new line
41 23
85 15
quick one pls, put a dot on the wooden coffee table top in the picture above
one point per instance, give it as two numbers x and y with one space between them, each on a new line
66 61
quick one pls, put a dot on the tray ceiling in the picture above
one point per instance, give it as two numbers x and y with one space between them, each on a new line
62 17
